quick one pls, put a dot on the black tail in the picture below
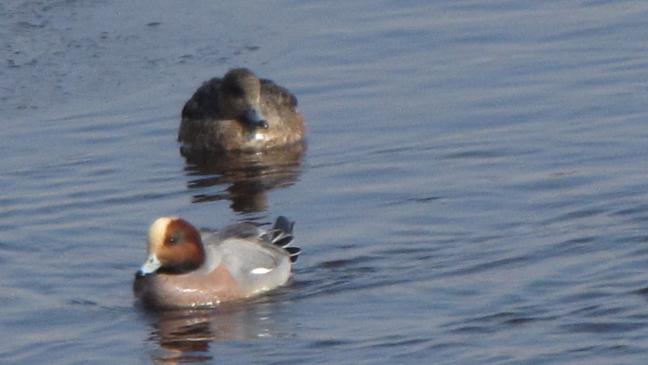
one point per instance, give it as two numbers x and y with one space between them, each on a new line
281 235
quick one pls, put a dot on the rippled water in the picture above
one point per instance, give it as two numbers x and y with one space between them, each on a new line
474 189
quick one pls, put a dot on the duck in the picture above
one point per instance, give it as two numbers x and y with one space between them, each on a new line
239 112
190 268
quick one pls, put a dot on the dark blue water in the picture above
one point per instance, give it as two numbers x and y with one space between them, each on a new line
475 188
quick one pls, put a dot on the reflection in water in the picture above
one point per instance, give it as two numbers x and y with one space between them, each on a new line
247 175
185 335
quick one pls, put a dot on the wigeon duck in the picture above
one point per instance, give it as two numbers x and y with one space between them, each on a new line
190 268
240 112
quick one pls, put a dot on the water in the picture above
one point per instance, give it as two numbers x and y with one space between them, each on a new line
474 189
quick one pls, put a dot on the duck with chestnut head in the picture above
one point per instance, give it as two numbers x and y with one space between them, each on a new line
187 267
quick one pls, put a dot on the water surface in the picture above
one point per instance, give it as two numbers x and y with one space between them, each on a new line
474 189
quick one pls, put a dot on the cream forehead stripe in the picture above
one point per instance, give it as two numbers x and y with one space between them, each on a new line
157 231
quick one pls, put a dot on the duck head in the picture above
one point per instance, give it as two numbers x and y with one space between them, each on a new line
240 98
174 247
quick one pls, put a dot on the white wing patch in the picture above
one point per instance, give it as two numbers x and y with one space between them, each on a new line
260 271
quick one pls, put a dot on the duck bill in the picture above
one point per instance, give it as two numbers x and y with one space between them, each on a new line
151 265
254 118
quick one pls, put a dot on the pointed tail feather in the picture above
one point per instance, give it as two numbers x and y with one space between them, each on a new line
281 235
293 252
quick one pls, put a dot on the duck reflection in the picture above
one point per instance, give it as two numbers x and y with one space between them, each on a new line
246 176
185 335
